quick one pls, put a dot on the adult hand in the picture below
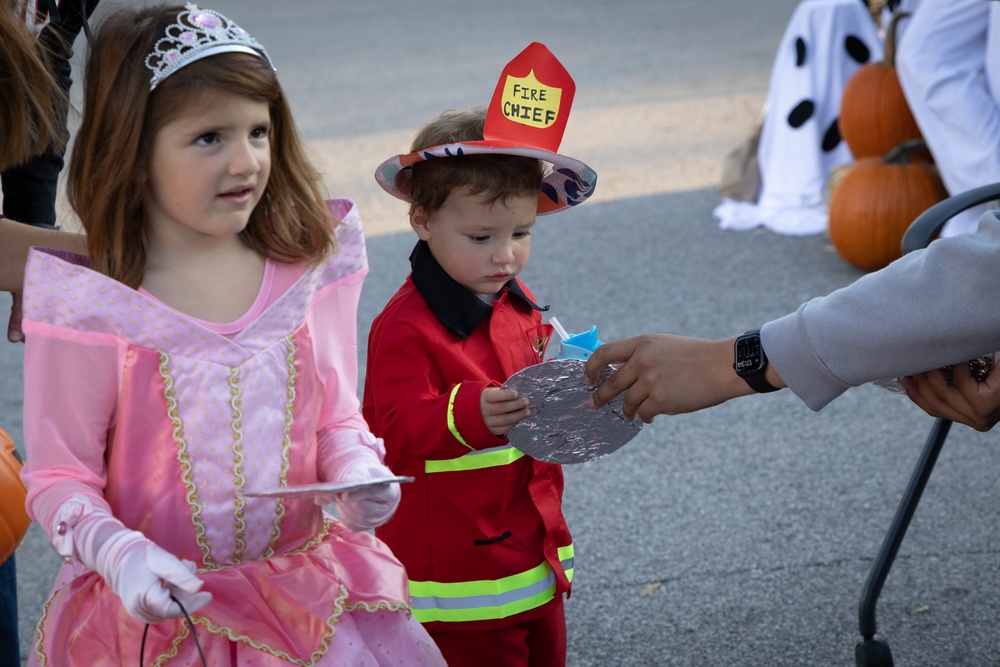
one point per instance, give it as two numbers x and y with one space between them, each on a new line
14 333
502 409
665 374
968 401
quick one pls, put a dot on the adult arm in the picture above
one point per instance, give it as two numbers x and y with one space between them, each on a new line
926 310
15 240
665 374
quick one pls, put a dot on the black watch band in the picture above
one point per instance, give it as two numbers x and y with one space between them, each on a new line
750 362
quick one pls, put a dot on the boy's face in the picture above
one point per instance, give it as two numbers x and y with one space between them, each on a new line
481 246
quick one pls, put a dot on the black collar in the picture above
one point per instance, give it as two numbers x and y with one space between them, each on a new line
458 309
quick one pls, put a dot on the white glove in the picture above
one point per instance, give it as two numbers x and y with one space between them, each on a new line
347 455
143 575
146 576
370 506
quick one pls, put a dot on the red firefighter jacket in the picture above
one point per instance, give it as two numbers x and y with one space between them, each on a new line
481 530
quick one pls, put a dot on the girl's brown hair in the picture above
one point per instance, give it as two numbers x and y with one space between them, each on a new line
32 106
494 176
121 117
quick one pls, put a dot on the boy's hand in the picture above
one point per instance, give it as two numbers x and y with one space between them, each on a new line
502 409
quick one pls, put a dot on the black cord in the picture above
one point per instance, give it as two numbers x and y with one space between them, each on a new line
142 647
86 23
201 654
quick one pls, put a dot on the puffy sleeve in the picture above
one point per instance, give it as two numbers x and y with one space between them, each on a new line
71 385
332 321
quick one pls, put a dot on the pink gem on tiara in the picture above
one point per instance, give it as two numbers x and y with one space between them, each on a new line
207 20
198 33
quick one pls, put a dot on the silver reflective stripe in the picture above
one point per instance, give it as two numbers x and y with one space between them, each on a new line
477 601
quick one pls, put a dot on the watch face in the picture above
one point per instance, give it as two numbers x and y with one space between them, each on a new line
748 356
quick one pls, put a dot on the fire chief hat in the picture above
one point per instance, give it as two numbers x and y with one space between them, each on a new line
527 117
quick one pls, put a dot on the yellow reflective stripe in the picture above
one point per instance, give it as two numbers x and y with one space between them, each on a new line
566 557
483 458
483 613
451 417
486 599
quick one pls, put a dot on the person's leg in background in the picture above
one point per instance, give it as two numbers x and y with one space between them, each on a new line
10 653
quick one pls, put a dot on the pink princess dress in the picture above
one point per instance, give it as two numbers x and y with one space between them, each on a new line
167 422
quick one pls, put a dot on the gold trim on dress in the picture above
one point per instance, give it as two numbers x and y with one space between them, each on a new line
239 480
184 460
40 634
286 445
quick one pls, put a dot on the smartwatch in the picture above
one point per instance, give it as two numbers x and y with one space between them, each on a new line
750 362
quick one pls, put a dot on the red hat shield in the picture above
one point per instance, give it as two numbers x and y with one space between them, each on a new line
532 100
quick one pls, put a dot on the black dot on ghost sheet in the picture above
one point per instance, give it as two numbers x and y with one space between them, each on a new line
859 52
831 138
857 49
802 112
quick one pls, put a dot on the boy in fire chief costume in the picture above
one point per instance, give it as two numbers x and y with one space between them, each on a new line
481 531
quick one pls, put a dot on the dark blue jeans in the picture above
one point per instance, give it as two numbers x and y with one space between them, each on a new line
10 645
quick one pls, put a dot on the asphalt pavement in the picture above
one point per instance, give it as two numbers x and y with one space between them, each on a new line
741 535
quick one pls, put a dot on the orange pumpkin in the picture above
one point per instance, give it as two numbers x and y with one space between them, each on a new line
13 517
876 200
874 115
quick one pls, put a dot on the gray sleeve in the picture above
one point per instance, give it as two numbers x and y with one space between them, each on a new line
931 308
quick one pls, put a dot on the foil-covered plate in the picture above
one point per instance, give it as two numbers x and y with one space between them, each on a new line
309 491
562 427
980 368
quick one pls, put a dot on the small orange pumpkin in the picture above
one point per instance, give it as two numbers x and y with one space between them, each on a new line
874 115
876 200
13 517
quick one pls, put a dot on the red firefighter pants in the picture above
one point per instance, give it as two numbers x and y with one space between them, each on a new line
537 643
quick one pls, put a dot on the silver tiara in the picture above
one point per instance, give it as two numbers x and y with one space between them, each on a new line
199 33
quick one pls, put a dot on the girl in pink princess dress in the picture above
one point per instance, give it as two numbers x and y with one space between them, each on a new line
206 352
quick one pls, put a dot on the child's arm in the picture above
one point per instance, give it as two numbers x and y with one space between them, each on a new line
346 450
142 575
71 386
410 404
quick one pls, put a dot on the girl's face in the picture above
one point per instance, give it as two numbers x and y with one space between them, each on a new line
481 246
207 170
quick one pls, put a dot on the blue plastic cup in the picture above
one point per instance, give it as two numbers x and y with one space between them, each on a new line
579 346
